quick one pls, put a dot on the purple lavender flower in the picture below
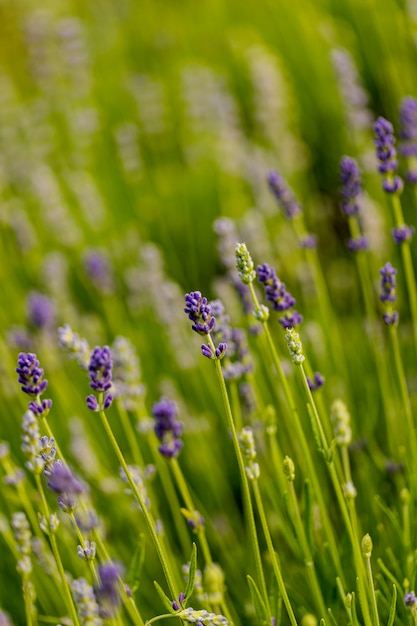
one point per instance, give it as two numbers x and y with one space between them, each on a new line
316 383
388 286
387 155
351 188
99 270
199 311
62 482
358 243
108 590
100 372
167 428
402 233
410 599
277 294
217 353
408 127
284 195
388 283
40 310
30 374
308 242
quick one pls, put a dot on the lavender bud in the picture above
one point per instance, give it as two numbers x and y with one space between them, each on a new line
402 234
199 312
167 428
351 188
284 195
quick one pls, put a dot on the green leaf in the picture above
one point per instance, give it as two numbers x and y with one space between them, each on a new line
136 564
258 602
391 616
308 516
164 598
191 576
355 621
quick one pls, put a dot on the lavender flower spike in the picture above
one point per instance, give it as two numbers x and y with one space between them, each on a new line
100 372
408 127
199 311
108 591
388 286
62 482
387 155
351 187
284 195
30 374
167 428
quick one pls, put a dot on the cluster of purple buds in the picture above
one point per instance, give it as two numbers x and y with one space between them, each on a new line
167 428
100 373
400 234
62 482
177 604
199 311
40 310
284 195
357 243
408 133
315 383
351 188
388 295
108 590
387 155
410 599
32 382
282 301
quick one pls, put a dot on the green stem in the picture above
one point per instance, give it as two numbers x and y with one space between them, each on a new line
183 488
244 479
90 564
150 523
275 564
54 546
372 588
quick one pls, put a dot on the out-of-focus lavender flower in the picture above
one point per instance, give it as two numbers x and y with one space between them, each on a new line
77 348
199 312
62 482
388 283
277 294
358 243
19 338
167 428
5 619
126 374
308 242
284 195
100 372
316 383
108 590
410 599
40 310
388 295
387 155
225 228
355 99
400 234
86 603
99 270
408 127
351 188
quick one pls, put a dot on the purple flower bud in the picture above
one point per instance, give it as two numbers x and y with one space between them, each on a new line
388 283
408 127
199 311
92 403
290 320
308 242
402 234
30 374
358 243
390 319
40 310
384 141
40 409
410 599
284 195
207 351
62 482
108 399
351 186
108 591
167 428
393 186
316 383
175 605
275 290
100 369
